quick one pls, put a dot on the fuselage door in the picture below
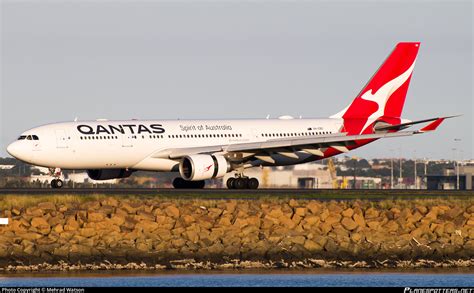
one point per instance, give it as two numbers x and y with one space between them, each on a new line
61 139
254 133
127 140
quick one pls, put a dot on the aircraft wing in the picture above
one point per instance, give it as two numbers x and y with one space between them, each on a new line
314 145
337 141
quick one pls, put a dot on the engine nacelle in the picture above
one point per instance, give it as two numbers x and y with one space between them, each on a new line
106 174
201 167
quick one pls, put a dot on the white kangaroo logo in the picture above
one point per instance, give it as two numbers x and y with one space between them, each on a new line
383 94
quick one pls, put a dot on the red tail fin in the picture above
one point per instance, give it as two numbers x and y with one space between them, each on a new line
384 95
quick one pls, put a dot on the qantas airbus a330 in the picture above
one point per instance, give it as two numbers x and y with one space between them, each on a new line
205 149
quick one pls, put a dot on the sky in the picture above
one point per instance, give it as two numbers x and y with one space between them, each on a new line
233 59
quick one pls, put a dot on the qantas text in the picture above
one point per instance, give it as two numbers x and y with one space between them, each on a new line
123 128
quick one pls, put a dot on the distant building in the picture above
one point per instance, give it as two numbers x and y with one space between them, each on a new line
81 177
6 167
361 182
449 179
379 166
41 178
42 170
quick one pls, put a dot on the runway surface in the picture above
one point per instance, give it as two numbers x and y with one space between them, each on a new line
326 194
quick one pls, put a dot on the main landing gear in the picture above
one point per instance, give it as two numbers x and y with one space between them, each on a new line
180 183
242 182
56 182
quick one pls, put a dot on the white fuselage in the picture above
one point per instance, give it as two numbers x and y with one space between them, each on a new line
131 144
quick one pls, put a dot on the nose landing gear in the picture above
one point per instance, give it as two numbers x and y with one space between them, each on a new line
242 182
56 182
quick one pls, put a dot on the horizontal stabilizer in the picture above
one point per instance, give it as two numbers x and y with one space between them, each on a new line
408 124
432 126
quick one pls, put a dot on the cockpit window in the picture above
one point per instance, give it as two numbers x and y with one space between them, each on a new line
28 137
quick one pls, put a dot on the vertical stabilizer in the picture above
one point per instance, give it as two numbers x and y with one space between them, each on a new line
384 94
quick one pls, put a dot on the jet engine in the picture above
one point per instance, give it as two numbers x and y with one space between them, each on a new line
201 167
106 174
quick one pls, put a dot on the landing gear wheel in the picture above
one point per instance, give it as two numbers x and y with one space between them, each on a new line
59 183
230 183
240 183
252 183
198 184
180 183
56 183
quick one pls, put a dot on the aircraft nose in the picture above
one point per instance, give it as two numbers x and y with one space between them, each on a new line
17 150
12 149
